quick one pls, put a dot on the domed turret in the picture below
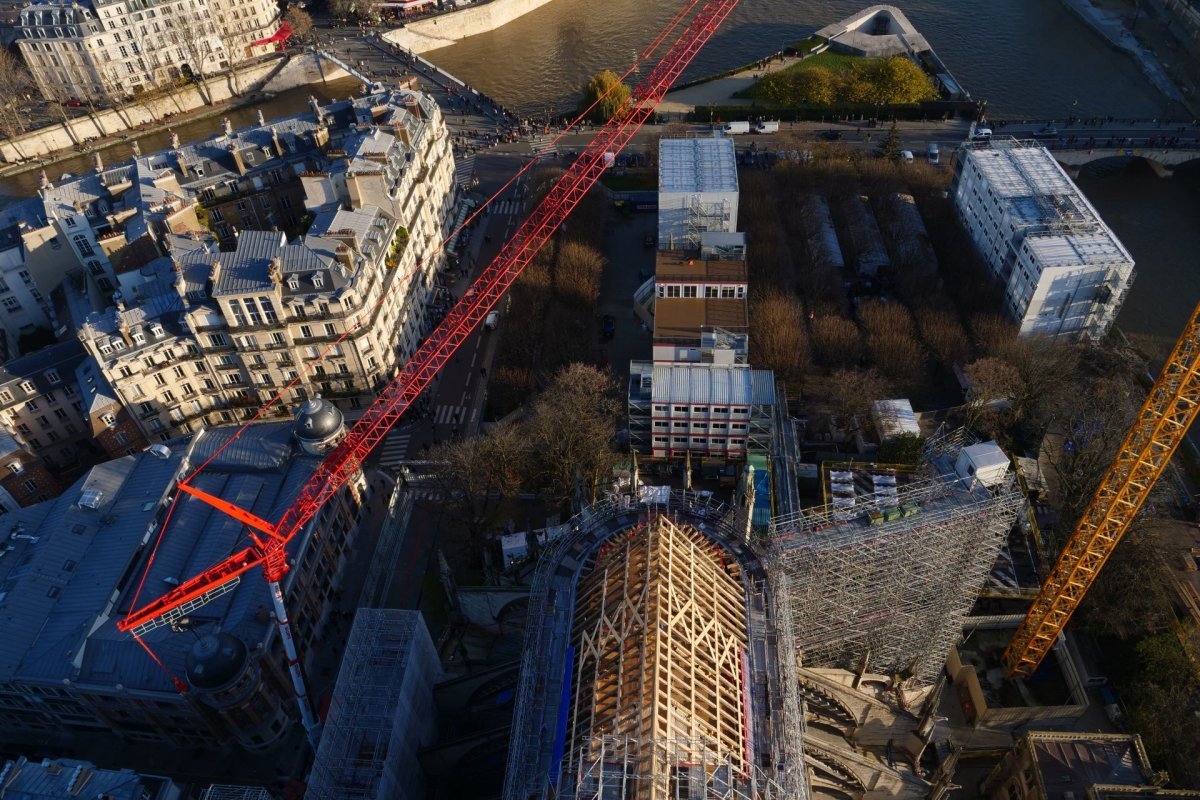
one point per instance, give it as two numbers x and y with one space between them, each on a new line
215 661
319 424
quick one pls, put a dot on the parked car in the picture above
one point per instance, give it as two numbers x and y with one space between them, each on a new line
73 103
831 135
492 320
981 134
608 326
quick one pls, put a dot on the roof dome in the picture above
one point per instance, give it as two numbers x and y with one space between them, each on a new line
216 660
317 419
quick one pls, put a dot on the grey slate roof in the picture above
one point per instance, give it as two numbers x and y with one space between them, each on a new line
67 560
246 269
66 778
62 357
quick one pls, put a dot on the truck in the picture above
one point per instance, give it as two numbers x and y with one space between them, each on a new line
767 126
736 127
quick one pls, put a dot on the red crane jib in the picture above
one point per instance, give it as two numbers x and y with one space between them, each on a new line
342 463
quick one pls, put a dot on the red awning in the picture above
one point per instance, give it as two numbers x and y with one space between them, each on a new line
279 37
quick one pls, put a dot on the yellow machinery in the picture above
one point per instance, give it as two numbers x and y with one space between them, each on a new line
1161 425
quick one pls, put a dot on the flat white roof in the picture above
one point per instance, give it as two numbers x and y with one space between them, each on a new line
895 417
704 384
697 165
1038 193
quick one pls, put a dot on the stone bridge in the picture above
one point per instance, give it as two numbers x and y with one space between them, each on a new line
1162 160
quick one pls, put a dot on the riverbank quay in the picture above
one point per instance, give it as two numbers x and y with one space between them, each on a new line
1111 26
104 128
875 32
445 29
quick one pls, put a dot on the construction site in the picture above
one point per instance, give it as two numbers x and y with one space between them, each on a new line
671 645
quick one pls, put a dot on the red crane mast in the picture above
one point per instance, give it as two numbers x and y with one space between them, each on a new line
269 540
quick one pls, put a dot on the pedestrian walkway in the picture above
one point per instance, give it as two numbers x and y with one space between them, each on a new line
543 145
449 414
394 450
508 207
464 170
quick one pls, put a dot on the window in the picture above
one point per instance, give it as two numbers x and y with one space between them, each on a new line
712 292
318 280
268 310
122 438
60 413
83 245
235 309
681 409
277 338
700 409
179 373
159 380
52 376
31 486
306 331
146 408
330 330
43 421
108 419
15 467
27 386
690 291
6 396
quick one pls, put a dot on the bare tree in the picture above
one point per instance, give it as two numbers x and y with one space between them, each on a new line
572 430
299 20
194 36
777 333
15 85
470 469
853 391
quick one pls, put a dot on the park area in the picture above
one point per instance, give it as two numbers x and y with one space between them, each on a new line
831 78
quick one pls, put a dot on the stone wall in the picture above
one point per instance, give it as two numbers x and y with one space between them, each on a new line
446 29
273 75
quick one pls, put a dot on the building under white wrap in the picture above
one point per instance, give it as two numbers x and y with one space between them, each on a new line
697 190
1064 271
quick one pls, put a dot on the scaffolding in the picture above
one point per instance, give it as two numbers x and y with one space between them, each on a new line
222 791
660 637
888 582
381 711
536 769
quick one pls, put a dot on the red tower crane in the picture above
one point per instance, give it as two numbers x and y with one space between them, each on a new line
269 540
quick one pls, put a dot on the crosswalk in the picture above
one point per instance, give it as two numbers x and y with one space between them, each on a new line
464 170
449 414
543 146
508 207
394 450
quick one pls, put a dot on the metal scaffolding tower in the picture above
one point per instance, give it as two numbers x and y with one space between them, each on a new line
889 582
381 711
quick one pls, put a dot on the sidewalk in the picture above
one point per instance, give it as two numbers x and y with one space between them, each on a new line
719 92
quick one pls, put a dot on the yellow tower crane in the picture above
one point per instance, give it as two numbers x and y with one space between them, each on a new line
1161 424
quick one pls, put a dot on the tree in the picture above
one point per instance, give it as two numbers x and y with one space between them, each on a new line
607 85
903 448
470 468
300 21
853 391
571 432
15 85
343 9
891 146
993 384
898 80
777 330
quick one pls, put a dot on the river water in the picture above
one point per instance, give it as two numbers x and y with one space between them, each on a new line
1027 58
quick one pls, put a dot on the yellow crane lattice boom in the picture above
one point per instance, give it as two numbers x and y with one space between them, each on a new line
1161 425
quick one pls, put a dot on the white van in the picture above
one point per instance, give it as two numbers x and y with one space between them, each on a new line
492 320
933 153
906 156
981 134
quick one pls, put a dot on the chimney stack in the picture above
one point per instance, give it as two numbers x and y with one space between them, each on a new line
43 179
228 126
137 148
174 140
98 161
262 122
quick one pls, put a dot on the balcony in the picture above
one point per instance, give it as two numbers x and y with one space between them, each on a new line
228 366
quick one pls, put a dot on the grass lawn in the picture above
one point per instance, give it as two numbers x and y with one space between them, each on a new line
831 60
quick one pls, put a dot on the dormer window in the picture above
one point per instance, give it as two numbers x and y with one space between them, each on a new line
294 283
27 386
15 467
106 349
118 345
52 376
318 280
139 337
156 330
